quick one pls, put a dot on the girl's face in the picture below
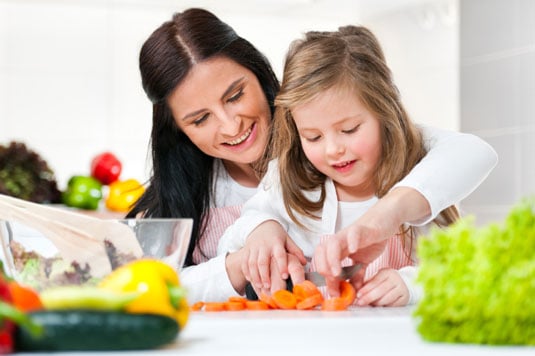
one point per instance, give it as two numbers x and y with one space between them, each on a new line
342 139
221 107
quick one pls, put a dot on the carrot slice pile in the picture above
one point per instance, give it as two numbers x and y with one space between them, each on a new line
304 296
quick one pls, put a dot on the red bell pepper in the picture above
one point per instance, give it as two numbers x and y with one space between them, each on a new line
106 168
10 316
7 327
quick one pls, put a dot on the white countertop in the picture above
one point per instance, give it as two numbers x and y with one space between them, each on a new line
361 331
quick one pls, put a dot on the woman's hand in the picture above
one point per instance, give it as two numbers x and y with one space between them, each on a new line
365 239
386 289
269 246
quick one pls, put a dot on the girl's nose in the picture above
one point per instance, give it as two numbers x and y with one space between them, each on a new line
335 148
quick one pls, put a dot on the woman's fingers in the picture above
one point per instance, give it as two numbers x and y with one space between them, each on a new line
296 269
293 249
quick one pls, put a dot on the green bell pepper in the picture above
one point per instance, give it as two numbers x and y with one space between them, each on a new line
83 192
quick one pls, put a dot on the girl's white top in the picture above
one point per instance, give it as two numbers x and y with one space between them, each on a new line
455 165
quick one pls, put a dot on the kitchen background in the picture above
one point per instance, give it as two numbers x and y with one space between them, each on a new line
70 85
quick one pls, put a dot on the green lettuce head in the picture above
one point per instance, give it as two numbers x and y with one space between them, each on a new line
479 283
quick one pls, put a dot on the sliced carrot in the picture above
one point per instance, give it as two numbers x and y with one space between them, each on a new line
197 306
284 299
268 300
334 304
304 290
256 305
234 306
214 306
310 302
347 292
237 299
25 298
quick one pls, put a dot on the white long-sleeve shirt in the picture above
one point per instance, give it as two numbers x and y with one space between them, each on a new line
454 166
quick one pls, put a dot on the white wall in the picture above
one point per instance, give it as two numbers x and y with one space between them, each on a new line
498 97
70 86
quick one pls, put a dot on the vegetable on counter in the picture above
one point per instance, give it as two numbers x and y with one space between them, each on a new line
24 297
138 306
12 317
106 168
85 297
83 192
122 195
26 175
479 282
97 330
304 296
158 286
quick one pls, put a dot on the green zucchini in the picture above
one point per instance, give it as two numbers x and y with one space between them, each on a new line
96 330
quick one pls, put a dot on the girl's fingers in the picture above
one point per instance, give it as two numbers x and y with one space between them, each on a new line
244 264
280 256
253 269
393 298
264 268
277 282
374 289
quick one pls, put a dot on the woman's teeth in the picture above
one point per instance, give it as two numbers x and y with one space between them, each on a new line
241 138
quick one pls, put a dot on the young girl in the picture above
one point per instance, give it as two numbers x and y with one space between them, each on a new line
343 140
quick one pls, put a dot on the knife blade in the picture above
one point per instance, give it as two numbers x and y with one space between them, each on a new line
319 280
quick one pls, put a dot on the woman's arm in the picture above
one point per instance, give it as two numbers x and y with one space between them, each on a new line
260 236
454 166
209 281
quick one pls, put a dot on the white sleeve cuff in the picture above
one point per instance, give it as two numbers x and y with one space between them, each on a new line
207 281
408 274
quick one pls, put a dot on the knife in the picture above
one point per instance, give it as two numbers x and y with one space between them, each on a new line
314 277
347 273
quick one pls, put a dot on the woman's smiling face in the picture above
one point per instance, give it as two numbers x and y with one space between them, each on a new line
222 108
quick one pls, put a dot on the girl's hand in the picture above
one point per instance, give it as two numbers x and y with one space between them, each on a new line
386 288
269 243
296 271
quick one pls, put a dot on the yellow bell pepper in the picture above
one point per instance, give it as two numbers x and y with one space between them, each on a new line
123 194
158 285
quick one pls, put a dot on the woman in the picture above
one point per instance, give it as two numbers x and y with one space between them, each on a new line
212 95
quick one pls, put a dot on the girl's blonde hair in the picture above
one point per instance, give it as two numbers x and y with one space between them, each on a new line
352 59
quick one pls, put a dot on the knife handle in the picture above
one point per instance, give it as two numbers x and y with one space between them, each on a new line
251 294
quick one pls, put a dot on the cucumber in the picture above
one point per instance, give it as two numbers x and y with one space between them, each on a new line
96 330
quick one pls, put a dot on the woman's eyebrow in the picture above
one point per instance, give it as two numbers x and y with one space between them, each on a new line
195 113
231 87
